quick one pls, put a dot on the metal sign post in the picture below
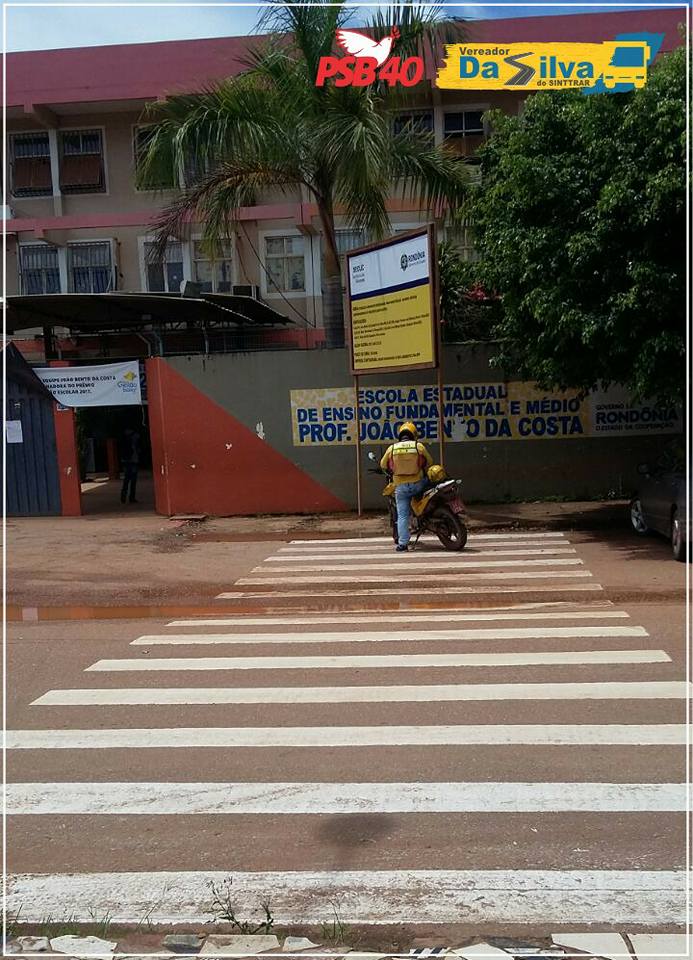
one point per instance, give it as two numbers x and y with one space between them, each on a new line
393 314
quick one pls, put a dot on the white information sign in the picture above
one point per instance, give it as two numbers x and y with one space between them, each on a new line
13 431
104 385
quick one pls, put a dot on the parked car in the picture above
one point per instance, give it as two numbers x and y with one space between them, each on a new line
660 505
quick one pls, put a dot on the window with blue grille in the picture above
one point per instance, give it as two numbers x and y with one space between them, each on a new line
39 271
90 267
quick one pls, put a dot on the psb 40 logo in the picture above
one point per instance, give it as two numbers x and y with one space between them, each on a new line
369 60
620 63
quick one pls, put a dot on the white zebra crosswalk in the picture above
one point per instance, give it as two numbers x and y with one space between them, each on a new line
476 758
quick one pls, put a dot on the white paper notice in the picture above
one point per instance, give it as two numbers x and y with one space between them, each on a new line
13 431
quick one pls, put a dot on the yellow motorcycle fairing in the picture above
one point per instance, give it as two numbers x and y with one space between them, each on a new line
419 504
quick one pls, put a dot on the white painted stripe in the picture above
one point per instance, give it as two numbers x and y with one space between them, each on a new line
403 564
432 693
431 577
126 799
429 537
404 636
472 543
573 734
385 661
323 597
386 618
466 555
542 897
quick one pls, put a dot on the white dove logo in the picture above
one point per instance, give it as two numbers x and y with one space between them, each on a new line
359 45
368 61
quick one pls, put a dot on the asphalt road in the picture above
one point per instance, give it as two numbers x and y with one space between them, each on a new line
493 739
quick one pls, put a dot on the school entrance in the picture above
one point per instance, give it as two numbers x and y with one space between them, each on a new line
107 440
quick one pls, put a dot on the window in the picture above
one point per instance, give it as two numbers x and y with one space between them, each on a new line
463 238
38 268
164 275
90 267
142 139
30 160
416 121
81 162
346 240
349 240
465 124
285 264
214 275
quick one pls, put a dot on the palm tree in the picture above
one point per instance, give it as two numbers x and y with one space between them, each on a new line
271 126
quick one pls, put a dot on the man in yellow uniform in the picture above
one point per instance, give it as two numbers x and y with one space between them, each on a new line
407 459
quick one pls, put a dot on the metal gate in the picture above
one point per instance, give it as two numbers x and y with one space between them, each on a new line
33 481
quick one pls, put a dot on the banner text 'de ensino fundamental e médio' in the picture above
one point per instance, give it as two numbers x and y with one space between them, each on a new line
477 412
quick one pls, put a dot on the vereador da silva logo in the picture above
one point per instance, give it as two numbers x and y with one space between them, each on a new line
538 66
613 64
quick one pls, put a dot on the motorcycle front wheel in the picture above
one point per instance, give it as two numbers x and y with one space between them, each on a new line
449 529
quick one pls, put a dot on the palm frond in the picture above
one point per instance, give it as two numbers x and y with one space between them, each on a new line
310 30
422 27
433 176
216 200
239 116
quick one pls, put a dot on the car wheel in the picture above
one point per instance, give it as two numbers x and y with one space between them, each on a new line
678 541
637 518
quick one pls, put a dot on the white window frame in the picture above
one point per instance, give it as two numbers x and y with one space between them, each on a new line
180 185
106 182
311 266
62 264
464 250
52 153
84 242
396 228
463 108
196 238
342 256
141 247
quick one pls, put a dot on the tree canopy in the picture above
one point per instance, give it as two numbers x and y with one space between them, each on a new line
272 127
580 224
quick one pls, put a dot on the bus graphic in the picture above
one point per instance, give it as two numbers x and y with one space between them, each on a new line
627 63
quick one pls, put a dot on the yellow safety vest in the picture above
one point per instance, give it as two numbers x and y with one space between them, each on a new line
406 459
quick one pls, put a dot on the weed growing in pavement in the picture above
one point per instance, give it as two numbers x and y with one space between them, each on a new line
12 924
146 920
334 930
102 926
225 909
52 927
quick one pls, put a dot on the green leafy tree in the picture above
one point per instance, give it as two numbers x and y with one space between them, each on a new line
580 223
271 126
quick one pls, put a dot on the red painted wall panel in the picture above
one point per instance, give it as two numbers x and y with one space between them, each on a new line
68 462
206 461
68 456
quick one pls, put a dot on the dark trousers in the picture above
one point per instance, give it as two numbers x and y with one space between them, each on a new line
129 482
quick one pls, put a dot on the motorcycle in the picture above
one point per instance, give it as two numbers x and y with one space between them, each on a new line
439 509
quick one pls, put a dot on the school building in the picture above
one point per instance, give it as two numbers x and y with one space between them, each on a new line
76 224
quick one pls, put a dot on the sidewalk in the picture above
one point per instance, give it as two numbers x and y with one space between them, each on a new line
126 558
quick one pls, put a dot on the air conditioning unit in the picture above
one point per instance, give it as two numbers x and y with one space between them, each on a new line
245 290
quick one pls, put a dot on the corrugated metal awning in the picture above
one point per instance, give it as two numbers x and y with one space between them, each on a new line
103 312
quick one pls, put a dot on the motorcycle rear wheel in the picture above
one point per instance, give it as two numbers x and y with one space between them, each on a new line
449 529
392 508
